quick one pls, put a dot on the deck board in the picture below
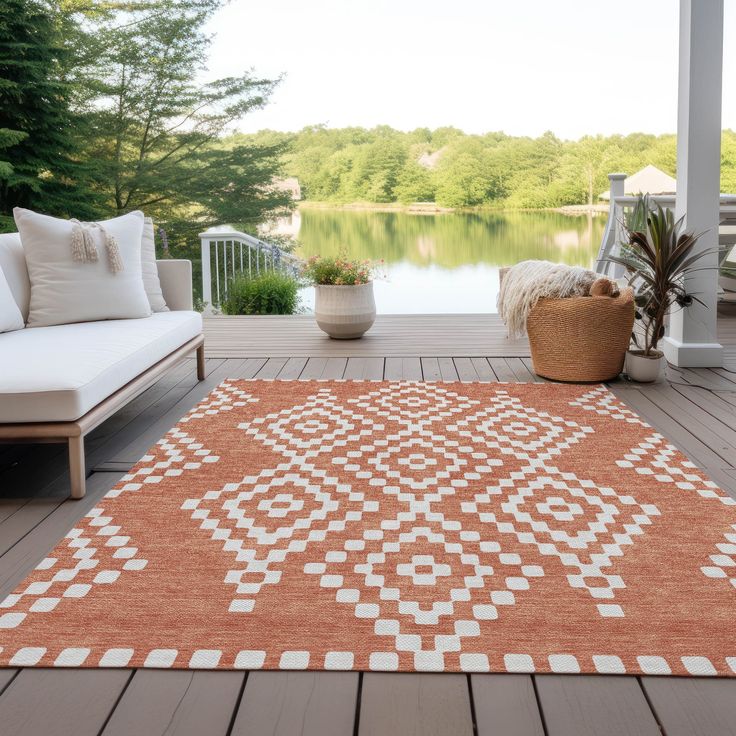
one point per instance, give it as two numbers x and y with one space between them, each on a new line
366 369
693 706
6 677
305 703
179 703
696 411
444 335
60 702
506 705
605 705
410 703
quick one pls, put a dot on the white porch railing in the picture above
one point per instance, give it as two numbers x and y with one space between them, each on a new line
613 232
227 254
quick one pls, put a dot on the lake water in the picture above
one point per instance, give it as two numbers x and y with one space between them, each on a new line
445 262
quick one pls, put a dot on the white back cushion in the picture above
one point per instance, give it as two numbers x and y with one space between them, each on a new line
151 282
64 290
10 316
13 265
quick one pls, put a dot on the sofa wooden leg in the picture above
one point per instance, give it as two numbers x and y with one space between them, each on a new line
77 470
200 363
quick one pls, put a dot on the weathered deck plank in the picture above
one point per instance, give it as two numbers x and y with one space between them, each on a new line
431 369
369 369
408 369
502 369
292 369
305 703
693 706
506 705
400 704
179 703
6 676
604 705
271 368
60 702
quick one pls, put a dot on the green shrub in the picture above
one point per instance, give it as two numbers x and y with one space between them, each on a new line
269 293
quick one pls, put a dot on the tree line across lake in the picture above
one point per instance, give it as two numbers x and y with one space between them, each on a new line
454 169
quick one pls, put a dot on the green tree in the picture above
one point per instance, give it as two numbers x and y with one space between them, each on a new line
414 184
590 153
39 166
155 133
376 169
463 177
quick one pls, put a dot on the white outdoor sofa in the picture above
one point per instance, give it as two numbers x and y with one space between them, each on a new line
58 383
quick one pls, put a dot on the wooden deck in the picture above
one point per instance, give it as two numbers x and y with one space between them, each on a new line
695 409
392 335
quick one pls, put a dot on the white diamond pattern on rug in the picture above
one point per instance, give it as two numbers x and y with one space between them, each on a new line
102 552
225 397
413 402
601 401
294 510
391 573
570 518
318 426
182 453
511 428
656 458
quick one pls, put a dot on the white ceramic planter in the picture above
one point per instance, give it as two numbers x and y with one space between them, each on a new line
345 312
641 368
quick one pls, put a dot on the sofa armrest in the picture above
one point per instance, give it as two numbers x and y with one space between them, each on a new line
176 283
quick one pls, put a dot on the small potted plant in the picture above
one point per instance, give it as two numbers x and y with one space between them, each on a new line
344 304
657 256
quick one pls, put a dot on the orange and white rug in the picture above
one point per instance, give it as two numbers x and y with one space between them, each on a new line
395 526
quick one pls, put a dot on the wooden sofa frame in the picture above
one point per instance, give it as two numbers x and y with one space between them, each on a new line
73 433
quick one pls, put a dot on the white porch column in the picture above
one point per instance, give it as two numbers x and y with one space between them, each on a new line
692 339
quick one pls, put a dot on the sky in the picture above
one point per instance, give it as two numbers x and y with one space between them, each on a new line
575 67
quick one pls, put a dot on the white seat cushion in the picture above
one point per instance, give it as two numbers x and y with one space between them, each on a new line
151 282
10 316
59 373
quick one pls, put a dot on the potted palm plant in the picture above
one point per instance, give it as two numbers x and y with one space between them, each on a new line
657 255
344 304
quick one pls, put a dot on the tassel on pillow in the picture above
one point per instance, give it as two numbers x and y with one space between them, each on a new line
83 246
84 249
78 244
113 253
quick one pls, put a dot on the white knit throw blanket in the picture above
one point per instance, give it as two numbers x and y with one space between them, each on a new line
529 281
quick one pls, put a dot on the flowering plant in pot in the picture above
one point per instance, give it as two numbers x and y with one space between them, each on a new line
657 255
344 304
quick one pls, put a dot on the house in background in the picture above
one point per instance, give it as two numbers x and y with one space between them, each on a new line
290 185
649 180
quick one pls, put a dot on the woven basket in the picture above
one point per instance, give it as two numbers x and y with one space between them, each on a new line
581 338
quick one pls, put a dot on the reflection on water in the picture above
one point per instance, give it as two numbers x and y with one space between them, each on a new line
446 262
